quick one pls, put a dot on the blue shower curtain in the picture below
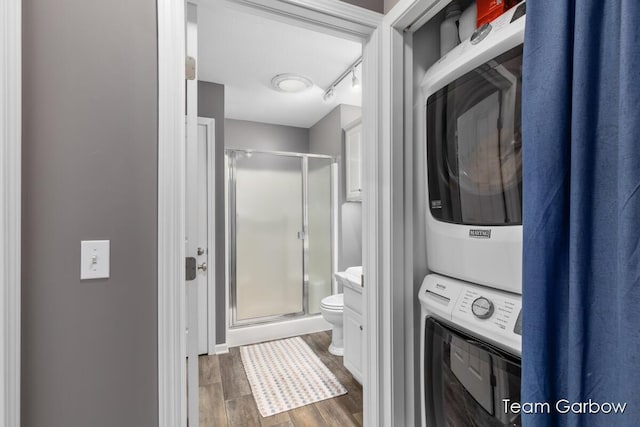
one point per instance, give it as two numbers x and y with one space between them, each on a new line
581 279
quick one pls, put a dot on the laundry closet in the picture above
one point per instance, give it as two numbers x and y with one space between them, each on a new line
466 65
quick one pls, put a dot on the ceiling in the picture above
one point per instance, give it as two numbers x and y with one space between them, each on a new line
244 52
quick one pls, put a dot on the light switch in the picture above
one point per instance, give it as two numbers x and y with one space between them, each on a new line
94 259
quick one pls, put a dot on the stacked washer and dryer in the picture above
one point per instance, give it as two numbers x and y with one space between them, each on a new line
471 304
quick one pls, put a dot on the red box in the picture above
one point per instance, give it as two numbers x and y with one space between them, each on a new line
488 10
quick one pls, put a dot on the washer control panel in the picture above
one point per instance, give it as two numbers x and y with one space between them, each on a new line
486 312
500 310
482 308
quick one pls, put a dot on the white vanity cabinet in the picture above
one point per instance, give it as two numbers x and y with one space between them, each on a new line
353 331
353 160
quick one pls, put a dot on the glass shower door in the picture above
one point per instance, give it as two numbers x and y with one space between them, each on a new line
320 228
268 269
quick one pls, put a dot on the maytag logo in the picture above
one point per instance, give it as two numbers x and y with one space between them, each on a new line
480 234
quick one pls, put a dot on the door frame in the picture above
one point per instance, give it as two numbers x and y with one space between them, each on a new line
10 214
172 351
397 101
210 125
329 16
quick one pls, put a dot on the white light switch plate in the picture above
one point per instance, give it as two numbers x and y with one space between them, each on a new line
94 259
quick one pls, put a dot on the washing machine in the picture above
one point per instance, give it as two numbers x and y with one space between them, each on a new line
471 343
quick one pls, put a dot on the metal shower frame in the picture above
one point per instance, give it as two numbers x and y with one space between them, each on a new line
231 156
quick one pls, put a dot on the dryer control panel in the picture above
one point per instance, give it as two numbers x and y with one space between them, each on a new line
490 314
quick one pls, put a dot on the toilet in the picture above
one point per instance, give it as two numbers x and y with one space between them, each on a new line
332 308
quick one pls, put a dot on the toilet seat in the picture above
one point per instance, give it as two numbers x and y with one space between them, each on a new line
333 302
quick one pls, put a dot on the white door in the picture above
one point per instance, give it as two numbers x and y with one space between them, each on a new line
203 204
191 220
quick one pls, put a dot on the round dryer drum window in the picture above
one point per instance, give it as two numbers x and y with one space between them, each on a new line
474 145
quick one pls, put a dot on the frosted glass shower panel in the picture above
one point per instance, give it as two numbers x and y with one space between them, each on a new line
269 248
319 236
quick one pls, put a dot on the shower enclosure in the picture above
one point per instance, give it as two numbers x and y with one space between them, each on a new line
281 213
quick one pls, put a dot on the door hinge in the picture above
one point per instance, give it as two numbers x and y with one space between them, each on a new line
362 280
190 68
190 268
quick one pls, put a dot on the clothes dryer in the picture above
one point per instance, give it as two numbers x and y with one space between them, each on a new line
472 120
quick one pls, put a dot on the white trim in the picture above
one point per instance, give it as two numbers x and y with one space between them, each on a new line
398 301
411 397
227 248
328 16
393 278
10 199
342 10
413 14
172 405
390 222
371 233
210 124
221 349
335 235
191 288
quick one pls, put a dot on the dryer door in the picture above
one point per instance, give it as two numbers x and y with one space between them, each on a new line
466 381
474 145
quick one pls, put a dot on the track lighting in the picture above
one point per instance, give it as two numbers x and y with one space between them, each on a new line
355 83
328 94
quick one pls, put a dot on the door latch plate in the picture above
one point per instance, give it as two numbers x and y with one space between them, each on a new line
190 269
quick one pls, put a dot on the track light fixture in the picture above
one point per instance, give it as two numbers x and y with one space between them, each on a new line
355 82
328 94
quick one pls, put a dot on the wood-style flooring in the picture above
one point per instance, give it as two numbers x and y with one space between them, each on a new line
226 399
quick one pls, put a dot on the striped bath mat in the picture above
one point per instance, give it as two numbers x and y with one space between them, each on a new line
286 374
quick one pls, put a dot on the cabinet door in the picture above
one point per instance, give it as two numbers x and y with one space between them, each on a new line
353 336
353 154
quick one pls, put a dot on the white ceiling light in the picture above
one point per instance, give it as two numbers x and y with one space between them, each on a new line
291 83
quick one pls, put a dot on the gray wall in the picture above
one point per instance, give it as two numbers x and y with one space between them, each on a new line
211 104
326 137
263 136
89 349
375 5
388 5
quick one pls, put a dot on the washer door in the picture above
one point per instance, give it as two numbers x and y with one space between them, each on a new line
466 381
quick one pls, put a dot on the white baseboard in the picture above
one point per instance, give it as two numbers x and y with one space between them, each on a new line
221 349
278 330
